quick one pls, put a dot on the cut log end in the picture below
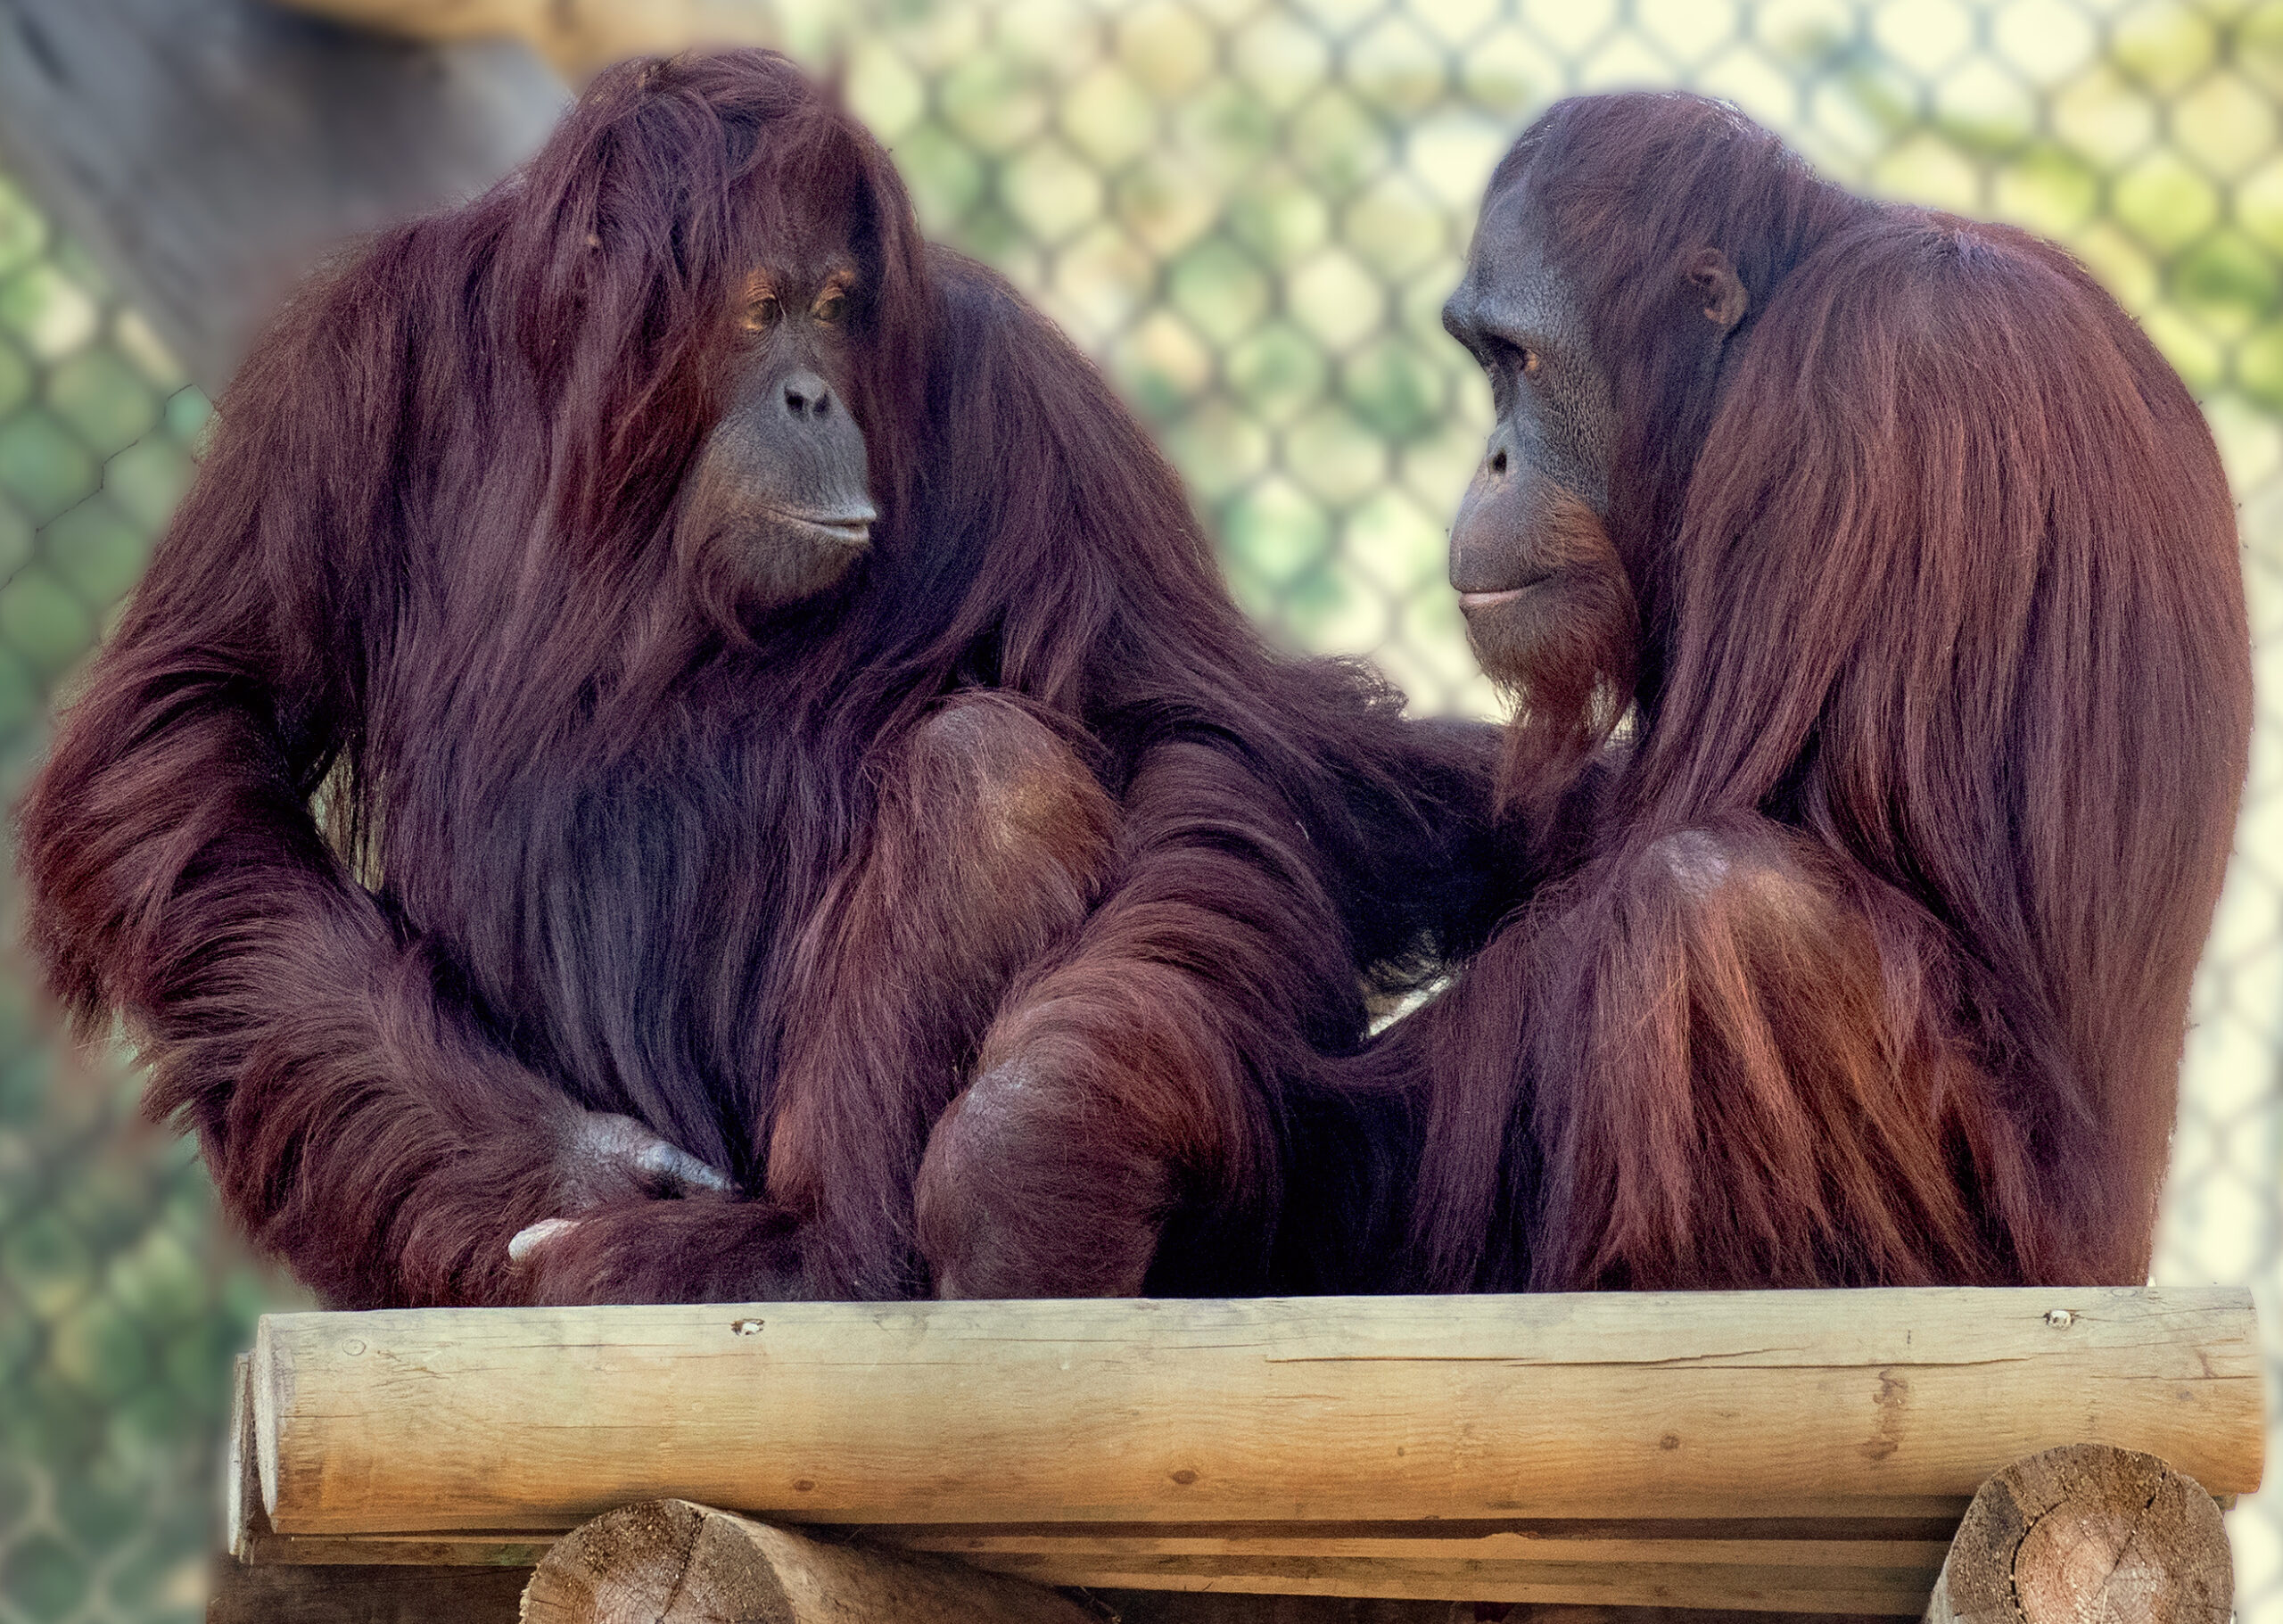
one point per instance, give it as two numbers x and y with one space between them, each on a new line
628 1563
2088 1534
670 1562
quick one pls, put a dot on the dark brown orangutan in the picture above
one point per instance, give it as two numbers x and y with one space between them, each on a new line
795 810
1862 956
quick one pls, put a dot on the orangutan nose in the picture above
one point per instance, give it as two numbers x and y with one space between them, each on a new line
806 397
1497 457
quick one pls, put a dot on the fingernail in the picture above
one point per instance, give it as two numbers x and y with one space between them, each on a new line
532 1236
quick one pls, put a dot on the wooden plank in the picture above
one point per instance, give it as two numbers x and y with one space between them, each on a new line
474 1548
242 1521
511 1548
1716 1543
1108 1552
1916 1530
670 1561
1898 1584
240 1594
206 152
1772 1403
1891 1593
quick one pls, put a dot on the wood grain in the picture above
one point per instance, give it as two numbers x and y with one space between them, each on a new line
1889 1592
1770 1404
1082 1545
1084 1542
2088 1534
242 1520
668 1561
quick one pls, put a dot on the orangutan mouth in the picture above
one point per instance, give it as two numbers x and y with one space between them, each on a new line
1469 602
846 529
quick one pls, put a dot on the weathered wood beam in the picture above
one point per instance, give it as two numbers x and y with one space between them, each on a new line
673 1563
1846 1553
2088 1534
668 1561
1883 1592
1727 1565
1917 1543
1702 1568
1817 1404
208 151
455 1595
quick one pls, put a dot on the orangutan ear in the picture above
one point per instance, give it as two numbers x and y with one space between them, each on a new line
1725 298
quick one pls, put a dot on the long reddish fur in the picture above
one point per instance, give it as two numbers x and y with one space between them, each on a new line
423 795
1866 959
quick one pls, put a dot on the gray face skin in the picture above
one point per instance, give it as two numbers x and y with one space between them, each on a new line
1528 553
1531 559
1557 424
781 485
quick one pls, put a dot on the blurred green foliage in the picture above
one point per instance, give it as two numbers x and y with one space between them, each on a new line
1251 210
118 1310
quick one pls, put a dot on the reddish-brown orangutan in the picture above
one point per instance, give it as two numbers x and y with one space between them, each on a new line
1861 955
666 687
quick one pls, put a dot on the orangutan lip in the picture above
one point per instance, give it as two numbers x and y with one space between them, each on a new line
846 529
1469 602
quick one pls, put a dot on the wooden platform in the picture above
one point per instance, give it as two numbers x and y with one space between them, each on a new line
1791 1452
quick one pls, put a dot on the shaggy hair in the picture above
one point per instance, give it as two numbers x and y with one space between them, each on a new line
1866 959
598 835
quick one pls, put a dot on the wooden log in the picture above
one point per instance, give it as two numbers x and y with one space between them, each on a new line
668 1561
206 152
1859 1543
1807 1404
2088 1534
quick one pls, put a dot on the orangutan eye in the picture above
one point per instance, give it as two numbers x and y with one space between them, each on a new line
762 314
831 307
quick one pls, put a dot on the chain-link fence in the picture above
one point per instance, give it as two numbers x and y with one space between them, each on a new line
1251 210
118 1310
